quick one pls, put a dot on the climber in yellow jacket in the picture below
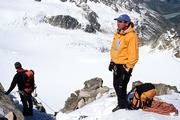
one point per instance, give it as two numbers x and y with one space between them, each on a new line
124 56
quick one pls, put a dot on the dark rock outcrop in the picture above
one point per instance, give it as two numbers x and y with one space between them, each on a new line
150 25
164 6
38 0
63 0
168 41
78 2
176 22
89 29
64 21
162 89
150 28
92 90
92 17
8 106
177 54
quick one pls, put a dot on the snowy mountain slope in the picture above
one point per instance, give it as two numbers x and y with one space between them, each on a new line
149 24
64 59
164 7
56 55
101 109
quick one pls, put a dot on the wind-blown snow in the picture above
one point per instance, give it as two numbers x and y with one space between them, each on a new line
64 59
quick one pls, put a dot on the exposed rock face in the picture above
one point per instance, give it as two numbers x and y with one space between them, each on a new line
63 0
91 16
176 22
164 6
177 54
7 105
150 26
136 83
78 2
89 29
92 90
168 41
64 21
162 89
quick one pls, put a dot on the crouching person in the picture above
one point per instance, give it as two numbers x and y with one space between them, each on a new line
141 97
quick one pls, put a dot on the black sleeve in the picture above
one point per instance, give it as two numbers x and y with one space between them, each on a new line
13 84
33 84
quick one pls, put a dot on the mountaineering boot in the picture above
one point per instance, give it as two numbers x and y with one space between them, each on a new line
116 108
129 107
126 106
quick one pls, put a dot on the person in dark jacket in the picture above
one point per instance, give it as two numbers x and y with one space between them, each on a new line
26 98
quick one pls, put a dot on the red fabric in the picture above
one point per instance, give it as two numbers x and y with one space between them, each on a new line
20 70
28 90
161 108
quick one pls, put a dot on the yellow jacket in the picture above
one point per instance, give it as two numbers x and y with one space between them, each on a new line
124 48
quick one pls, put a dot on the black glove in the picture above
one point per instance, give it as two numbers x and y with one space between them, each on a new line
111 66
6 93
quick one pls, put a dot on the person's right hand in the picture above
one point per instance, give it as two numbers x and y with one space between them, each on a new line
111 66
6 93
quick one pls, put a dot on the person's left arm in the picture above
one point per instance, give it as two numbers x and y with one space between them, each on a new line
133 51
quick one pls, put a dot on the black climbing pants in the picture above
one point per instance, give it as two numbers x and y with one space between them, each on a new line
27 104
120 81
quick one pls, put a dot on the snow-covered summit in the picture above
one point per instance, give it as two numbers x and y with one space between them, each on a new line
63 59
102 110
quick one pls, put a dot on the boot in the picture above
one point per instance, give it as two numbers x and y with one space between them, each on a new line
117 108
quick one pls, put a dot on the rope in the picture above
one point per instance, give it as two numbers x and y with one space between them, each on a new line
55 113
46 104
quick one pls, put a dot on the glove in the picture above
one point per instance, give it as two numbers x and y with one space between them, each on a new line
111 66
6 93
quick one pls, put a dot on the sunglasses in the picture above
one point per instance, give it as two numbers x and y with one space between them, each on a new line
122 21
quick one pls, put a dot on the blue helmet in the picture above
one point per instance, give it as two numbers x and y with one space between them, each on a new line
123 17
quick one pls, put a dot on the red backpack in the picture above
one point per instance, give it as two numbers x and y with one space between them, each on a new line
28 77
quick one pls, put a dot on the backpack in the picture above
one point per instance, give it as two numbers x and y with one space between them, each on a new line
28 80
143 95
